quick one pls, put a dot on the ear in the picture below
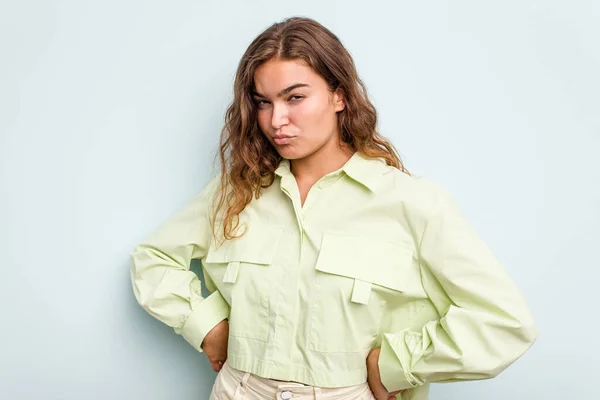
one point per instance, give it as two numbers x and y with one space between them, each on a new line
339 101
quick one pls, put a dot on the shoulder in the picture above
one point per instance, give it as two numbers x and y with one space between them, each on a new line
417 194
213 185
205 196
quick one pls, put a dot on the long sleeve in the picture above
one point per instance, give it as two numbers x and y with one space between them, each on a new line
163 283
485 324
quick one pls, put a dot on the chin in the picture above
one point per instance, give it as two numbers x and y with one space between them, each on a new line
291 153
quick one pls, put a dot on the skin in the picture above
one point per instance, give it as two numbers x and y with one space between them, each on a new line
293 100
215 345
374 379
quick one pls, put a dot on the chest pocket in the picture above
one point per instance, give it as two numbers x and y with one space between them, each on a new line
241 268
356 278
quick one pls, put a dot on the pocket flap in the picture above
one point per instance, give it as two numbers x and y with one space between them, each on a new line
370 260
256 246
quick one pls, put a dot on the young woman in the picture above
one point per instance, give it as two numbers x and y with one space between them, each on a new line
333 273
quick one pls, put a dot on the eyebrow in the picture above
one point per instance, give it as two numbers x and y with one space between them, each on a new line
284 91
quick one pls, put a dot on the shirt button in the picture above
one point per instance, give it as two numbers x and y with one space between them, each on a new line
287 395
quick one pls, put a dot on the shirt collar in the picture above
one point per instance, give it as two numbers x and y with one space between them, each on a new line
366 171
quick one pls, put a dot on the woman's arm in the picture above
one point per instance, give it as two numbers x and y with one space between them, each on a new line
160 272
485 324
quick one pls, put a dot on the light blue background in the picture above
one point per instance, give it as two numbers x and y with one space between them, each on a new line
110 114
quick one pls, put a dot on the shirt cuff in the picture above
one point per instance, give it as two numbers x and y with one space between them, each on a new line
212 310
393 375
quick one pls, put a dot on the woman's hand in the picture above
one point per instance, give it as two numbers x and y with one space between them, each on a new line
374 379
215 343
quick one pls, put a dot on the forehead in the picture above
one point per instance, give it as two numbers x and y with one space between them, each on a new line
275 75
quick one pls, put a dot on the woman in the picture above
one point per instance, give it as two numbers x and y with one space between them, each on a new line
334 274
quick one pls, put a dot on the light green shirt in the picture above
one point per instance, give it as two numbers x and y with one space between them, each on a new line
374 258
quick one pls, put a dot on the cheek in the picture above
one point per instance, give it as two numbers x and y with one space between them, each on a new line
313 113
264 121
305 114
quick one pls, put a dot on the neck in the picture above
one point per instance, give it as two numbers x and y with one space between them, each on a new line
327 159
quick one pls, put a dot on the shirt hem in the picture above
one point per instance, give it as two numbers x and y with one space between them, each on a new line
297 373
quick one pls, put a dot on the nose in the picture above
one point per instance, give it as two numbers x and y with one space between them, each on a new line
280 116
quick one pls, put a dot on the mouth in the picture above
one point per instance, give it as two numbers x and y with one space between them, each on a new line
280 140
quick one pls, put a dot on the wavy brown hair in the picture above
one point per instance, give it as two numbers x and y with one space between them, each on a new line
248 161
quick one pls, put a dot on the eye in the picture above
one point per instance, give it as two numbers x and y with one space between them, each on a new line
295 98
261 103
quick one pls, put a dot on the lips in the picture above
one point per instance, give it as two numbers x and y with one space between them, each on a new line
283 139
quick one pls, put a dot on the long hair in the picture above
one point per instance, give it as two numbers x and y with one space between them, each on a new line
248 161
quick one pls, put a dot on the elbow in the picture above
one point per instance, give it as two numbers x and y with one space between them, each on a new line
147 273
141 260
135 277
134 267
517 334
500 344
511 347
524 333
529 333
142 295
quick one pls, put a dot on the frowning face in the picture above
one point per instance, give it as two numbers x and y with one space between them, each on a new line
296 110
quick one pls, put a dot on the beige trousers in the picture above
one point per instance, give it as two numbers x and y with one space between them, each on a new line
233 384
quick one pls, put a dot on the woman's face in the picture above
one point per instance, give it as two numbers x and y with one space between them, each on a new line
296 110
